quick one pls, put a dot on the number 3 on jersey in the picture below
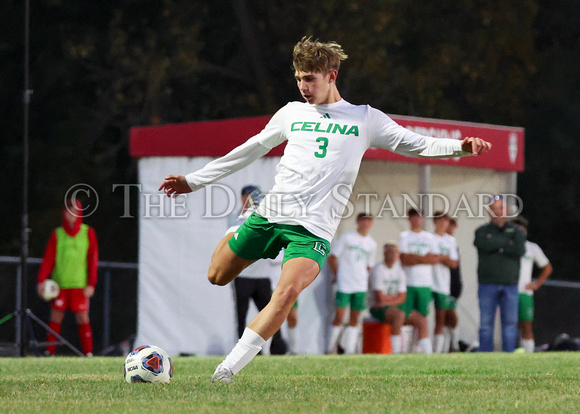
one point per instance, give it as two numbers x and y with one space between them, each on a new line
322 148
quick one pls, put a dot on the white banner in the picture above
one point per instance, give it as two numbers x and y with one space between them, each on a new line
180 311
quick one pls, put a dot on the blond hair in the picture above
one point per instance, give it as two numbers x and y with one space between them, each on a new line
317 57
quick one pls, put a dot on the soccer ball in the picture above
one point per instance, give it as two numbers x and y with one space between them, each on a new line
50 291
148 363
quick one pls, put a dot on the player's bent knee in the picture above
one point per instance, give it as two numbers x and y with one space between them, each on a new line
217 279
218 274
212 279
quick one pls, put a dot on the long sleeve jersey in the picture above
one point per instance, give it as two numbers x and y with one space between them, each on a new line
325 146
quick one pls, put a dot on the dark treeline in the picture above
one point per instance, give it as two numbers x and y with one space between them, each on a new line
99 67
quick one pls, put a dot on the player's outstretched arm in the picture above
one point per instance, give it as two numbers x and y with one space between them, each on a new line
174 185
475 145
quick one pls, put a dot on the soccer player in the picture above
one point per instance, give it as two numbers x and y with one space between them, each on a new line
456 282
533 255
326 139
387 293
71 258
444 302
455 288
350 261
419 253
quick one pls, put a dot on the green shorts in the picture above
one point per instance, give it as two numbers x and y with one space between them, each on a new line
257 239
295 306
526 308
443 301
379 313
357 301
418 298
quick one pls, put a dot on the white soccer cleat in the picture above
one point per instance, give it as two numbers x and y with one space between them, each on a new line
222 374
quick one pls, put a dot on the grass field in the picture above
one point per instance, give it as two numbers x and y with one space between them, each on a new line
464 383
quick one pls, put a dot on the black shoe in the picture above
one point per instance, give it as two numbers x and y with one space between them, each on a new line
278 345
463 346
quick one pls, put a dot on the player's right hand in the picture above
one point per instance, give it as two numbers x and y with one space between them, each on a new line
40 289
174 185
431 258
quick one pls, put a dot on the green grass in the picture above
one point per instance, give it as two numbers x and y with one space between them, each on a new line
463 383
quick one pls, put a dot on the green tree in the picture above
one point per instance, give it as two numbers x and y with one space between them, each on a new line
100 67
550 185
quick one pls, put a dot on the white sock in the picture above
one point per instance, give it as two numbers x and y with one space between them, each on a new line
351 339
396 344
425 346
293 338
529 345
449 339
334 334
342 341
406 338
245 350
415 343
438 343
266 347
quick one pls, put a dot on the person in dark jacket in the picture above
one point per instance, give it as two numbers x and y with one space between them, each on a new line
500 245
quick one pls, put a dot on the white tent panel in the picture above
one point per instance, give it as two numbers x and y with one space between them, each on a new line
179 309
182 312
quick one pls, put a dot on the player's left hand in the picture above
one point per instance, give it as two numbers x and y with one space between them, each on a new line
475 145
89 291
533 286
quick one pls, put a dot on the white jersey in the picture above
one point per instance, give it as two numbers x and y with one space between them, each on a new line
321 160
418 243
442 274
534 254
355 254
389 281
